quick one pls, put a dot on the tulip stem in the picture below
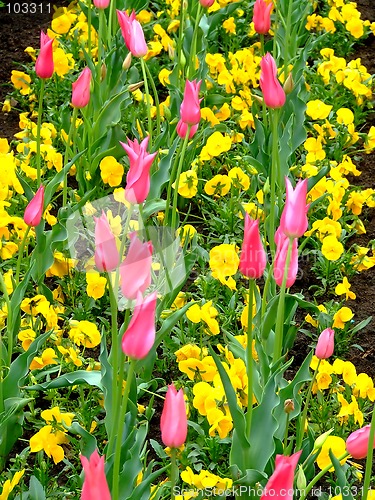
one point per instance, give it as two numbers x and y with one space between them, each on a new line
320 475
38 127
370 452
193 52
156 98
119 431
274 168
169 189
179 42
111 21
114 355
66 155
9 329
148 103
249 358
20 254
179 169
102 22
174 472
278 345
287 38
303 419
89 16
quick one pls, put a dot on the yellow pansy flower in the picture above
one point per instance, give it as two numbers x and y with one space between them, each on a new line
26 337
187 184
349 373
220 423
111 171
219 185
50 442
224 262
186 231
9 484
338 447
55 415
21 82
342 316
48 357
84 333
318 110
240 180
96 285
216 144
190 351
344 288
345 116
230 26
332 249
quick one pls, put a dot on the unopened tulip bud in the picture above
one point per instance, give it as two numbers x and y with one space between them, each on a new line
206 3
326 344
127 62
258 99
289 84
301 482
288 406
358 441
135 86
321 440
182 60
103 72
171 52
34 210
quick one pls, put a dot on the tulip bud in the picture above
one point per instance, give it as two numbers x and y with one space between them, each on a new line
301 482
326 343
171 52
127 62
95 484
253 258
293 220
258 99
101 4
206 3
103 72
319 441
34 210
289 84
273 93
106 253
262 16
44 66
135 86
132 33
357 442
288 406
173 422
81 89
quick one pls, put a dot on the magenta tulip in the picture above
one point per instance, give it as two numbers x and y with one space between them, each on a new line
132 33
326 344
138 177
136 269
293 220
81 89
44 66
273 93
34 210
206 3
280 484
253 258
106 253
139 337
101 4
262 16
95 486
190 111
182 129
282 243
173 422
357 442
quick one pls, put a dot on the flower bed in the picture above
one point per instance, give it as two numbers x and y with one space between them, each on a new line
178 171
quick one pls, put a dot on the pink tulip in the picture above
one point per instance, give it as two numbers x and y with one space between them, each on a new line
357 442
138 177
101 4
293 220
139 337
132 33
106 253
44 64
95 486
173 422
273 93
182 129
280 484
326 344
262 16
34 210
136 269
206 3
253 257
81 89
190 111
282 243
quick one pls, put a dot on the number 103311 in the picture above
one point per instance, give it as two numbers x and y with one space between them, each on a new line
28 8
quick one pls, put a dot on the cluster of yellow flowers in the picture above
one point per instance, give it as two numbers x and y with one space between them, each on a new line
208 391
